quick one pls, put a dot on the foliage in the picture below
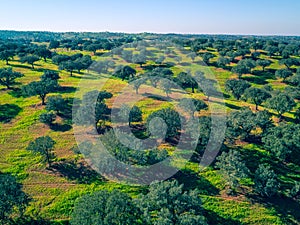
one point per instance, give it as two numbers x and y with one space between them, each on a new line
266 181
236 87
44 146
8 77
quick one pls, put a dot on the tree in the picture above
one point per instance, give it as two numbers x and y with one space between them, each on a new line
232 168
281 103
139 59
69 66
125 72
8 77
166 85
56 103
289 62
7 55
192 56
283 73
40 88
54 44
167 203
106 208
192 105
12 198
207 56
47 118
130 115
170 117
240 70
255 55
93 109
186 81
223 62
236 87
30 59
44 53
50 74
263 63
283 141
240 124
266 181
44 146
58 59
137 83
257 96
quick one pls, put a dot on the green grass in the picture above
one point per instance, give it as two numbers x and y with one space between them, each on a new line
54 195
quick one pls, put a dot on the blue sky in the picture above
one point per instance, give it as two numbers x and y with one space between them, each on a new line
161 16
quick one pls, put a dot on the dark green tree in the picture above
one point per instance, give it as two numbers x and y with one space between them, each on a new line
192 105
168 203
104 208
125 72
8 77
56 103
44 53
266 181
236 87
281 103
263 63
206 57
7 55
69 66
257 96
232 168
283 73
12 198
186 80
40 88
171 119
47 118
43 146
30 59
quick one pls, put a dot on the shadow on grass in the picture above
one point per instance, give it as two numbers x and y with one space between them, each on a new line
8 112
156 97
192 180
60 127
256 80
215 219
66 89
16 93
80 173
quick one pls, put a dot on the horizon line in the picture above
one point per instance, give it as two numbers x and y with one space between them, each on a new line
160 33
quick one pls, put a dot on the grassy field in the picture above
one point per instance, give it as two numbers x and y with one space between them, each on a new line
54 191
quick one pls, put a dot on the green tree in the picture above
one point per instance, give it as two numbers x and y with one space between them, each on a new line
50 74
281 103
44 53
257 96
47 118
12 198
54 44
186 81
30 59
8 77
192 105
40 88
104 208
236 87
125 72
56 103
289 62
223 62
206 57
232 168
44 146
69 66
7 55
166 85
283 73
240 70
137 83
167 203
283 141
130 115
266 181
171 119
263 63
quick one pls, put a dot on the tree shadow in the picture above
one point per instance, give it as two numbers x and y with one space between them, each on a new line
16 93
60 127
192 180
215 219
255 80
80 172
66 90
8 112
156 97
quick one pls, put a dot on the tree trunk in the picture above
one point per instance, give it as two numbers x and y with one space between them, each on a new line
193 89
6 61
256 107
32 66
43 100
71 73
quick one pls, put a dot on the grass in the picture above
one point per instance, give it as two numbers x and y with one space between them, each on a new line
54 195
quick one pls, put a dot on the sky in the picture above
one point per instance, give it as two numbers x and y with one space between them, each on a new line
261 17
